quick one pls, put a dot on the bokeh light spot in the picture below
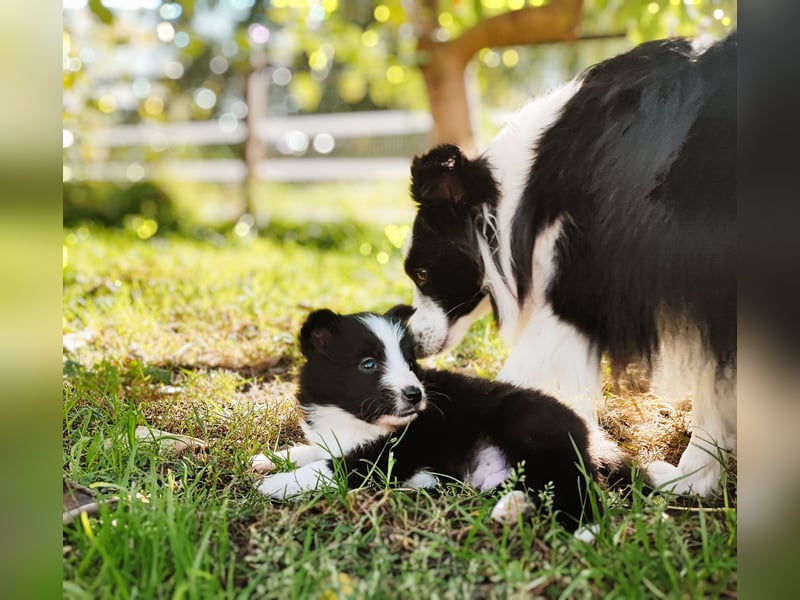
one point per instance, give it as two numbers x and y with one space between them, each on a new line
205 98
382 13
510 58
107 103
395 74
134 172
369 38
182 39
67 138
397 234
242 229
382 258
170 10
141 87
324 143
352 86
173 69
218 65
239 109
228 122
296 141
317 61
158 141
88 55
441 34
258 33
165 31
281 76
489 57
154 105
146 229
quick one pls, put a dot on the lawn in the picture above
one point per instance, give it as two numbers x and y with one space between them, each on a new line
194 334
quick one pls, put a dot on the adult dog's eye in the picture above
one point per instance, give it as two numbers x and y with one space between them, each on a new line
368 365
421 276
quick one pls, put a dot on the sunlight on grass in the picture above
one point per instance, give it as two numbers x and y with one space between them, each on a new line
195 335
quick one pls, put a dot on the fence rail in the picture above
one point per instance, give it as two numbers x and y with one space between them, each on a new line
272 131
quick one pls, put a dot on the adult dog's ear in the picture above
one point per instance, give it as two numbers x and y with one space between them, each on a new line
316 333
400 313
444 176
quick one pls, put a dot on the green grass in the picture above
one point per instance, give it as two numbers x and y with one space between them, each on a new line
195 335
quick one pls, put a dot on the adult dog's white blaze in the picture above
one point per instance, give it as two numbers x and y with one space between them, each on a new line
428 324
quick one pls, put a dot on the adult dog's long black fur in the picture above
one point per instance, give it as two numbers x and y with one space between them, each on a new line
601 220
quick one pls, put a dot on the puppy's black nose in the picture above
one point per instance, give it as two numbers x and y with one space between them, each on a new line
412 393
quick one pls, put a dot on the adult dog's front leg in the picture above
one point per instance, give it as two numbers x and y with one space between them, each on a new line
554 357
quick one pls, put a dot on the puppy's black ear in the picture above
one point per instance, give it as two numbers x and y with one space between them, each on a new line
317 331
400 312
444 176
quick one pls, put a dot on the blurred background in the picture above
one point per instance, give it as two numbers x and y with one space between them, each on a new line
230 115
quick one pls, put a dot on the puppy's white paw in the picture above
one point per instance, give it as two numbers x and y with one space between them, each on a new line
422 479
261 464
305 479
280 485
510 507
587 533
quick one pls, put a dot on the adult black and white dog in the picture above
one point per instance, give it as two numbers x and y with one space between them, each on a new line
602 219
361 385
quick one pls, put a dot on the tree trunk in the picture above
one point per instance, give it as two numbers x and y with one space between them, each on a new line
444 63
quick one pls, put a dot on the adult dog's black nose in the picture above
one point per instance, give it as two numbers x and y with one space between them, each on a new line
412 393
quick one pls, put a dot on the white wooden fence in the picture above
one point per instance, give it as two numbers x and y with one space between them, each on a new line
341 126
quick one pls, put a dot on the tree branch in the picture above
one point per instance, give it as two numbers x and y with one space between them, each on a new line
553 22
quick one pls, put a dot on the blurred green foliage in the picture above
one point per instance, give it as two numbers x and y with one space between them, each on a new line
119 205
186 61
353 55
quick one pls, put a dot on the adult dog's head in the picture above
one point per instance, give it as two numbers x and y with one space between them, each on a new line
456 197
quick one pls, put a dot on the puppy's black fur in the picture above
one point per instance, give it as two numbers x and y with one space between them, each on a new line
457 417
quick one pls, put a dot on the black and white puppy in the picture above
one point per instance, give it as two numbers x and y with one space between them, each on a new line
361 385
602 219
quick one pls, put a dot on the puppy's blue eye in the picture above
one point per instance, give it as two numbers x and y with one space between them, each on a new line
368 364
